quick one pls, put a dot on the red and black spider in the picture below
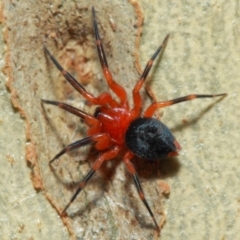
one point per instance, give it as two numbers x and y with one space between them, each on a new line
115 126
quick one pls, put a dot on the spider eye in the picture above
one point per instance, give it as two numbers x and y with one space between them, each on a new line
150 139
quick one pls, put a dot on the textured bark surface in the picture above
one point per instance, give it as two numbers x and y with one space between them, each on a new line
202 56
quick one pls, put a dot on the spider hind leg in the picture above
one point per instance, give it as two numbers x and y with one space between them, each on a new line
131 169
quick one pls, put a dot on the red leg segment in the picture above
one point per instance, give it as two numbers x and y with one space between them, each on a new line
104 157
152 108
127 160
116 88
136 95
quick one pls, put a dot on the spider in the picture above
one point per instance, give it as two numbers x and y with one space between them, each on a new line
116 127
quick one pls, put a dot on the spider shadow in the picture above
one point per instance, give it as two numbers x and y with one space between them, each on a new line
163 168
106 171
101 181
166 167
69 185
51 125
187 124
149 170
72 186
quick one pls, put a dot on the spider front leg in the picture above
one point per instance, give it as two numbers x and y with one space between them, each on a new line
102 99
97 164
152 108
116 88
131 169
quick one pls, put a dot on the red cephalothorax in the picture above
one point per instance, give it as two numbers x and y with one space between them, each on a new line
115 126
115 122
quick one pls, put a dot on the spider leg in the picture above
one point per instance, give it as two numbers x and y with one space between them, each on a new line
102 99
116 88
90 120
152 108
132 171
136 95
104 157
102 141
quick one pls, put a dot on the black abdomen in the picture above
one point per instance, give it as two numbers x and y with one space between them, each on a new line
149 139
